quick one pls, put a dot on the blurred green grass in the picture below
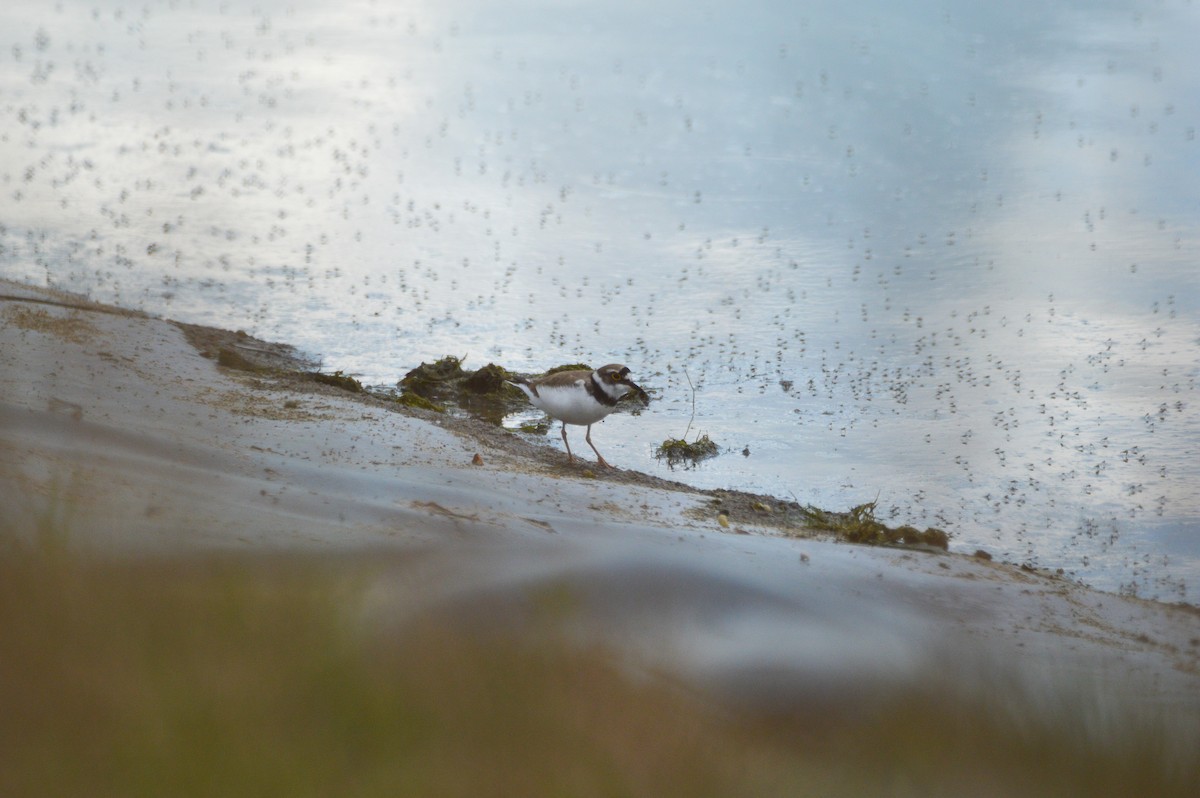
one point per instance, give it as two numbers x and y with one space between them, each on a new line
258 675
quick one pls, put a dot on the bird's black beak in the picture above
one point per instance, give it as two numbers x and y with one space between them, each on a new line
636 391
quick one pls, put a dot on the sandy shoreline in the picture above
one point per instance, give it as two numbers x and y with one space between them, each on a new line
115 427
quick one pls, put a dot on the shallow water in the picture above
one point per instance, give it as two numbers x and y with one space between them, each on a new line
941 256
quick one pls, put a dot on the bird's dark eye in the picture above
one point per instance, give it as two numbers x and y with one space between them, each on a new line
614 376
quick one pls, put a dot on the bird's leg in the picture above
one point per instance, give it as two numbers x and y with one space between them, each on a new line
570 457
599 457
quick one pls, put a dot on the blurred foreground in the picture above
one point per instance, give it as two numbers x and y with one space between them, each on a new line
255 675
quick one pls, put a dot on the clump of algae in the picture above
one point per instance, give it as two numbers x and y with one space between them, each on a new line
420 402
859 525
677 451
483 393
338 380
431 380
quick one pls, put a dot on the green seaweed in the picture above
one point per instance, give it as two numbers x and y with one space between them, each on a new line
430 380
409 399
483 393
489 379
677 451
338 380
859 525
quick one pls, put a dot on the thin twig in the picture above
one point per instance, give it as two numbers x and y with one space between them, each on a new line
693 418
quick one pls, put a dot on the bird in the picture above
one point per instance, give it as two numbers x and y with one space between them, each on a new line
580 397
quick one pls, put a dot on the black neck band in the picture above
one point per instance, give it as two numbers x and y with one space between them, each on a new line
598 393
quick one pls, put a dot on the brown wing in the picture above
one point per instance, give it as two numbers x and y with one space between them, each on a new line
562 379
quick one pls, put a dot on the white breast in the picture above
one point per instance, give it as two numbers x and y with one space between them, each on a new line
570 403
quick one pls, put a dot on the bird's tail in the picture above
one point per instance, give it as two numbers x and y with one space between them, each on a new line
523 384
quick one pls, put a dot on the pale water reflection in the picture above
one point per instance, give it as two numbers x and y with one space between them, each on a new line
940 254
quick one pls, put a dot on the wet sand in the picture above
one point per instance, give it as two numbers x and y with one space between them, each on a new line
122 436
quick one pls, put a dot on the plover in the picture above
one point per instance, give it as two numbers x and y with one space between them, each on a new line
580 397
